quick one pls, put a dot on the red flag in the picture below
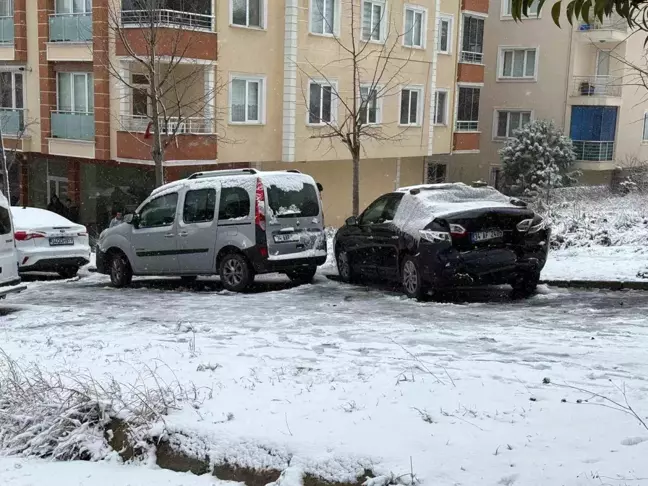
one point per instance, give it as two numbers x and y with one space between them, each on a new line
147 134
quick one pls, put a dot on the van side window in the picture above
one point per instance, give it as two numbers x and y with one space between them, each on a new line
159 212
5 221
199 206
234 203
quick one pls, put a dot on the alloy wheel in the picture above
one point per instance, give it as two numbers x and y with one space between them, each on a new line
233 272
410 277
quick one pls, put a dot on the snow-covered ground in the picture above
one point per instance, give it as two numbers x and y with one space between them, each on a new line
335 378
606 263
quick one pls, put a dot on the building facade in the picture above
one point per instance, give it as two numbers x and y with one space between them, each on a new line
255 83
579 76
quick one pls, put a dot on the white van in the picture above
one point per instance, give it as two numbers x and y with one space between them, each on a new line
9 277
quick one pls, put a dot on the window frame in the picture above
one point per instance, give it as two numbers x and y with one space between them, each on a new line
175 214
59 3
89 86
450 20
416 9
140 87
184 205
261 79
336 19
505 14
263 17
479 87
14 97
508 111
383 22
446 91
501 52
238 219
644 138
419 105
379 104
479 60
334 102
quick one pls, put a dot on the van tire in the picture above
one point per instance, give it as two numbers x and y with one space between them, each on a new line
302 275
68 272
236 273
121 273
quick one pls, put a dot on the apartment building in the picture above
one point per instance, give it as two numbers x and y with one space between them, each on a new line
271 74
578 76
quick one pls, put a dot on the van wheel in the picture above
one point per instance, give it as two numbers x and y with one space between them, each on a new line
412 279
121 274
302 275
68 272
235 272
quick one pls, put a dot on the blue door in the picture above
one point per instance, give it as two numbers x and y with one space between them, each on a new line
595 123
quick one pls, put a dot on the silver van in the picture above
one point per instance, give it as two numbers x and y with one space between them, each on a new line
235 223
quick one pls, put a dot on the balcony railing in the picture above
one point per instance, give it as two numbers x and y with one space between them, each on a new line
6 30
472 57
12 121
73 125
596 86
613 23
589 150
173 18
466 126
191 125
75 27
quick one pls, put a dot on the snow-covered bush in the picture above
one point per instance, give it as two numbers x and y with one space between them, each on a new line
537 159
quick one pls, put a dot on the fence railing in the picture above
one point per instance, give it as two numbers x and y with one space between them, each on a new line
178 125
12 121
597 86
6 30
73 125
174 18
466 126
591 150
75 27
472 57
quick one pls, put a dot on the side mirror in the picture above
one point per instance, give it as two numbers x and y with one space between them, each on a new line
134 220
352 221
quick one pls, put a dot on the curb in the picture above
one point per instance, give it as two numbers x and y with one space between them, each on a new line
597 284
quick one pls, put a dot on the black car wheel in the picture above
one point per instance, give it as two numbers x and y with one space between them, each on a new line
68 272
302 275
235 272
344 267
121 273
525 285
412 279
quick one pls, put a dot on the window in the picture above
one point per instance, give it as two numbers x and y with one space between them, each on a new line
645 128
6 8
374 213
287 201
323 16
509 121
373 21
468 110
234 203
410 106
159 212
444 33
436 173
517 63
495 177
245 100
73 6
5 221
370 109
199 206
75 92
140 98
414 32
441 107
472 47
248 13
507 9
11 90
320 103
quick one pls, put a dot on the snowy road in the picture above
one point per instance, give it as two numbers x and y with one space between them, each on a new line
337 378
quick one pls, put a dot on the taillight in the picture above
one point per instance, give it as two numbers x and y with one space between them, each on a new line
523 226
27 235
259 206
457 231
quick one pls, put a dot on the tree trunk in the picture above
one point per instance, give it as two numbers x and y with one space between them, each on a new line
356 183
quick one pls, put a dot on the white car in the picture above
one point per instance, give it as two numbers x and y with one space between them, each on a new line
8 255
48 242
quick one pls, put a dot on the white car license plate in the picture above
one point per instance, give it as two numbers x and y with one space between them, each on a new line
61 241
487 235
287 238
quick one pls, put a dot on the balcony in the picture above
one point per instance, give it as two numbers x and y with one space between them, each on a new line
594 151
611 30
184 126
167 18
73 126
466 126
6 30
472 57
596 90
75 27
12 121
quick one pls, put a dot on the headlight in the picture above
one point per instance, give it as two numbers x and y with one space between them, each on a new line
435 236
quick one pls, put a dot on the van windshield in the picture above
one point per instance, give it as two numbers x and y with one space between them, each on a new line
292 202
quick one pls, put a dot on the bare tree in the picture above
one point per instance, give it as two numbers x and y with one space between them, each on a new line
158 74
377 67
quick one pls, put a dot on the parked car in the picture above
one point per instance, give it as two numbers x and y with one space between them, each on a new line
441 236
9 277
48 242
235 223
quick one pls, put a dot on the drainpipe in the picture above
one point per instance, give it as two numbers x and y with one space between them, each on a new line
568 81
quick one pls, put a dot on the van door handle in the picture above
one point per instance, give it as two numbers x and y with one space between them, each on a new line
183 233
169 235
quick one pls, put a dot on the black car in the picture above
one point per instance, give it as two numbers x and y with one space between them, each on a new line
442 236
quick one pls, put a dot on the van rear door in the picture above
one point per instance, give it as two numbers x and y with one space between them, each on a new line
8 255
294 217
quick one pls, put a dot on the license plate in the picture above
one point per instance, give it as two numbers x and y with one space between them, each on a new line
487 235
287 238
61 241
